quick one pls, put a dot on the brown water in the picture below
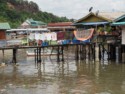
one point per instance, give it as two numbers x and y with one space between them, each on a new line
69 77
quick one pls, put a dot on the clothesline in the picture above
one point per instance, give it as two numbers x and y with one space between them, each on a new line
47 36
79 35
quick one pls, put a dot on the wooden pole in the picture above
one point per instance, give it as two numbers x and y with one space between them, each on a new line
89 51
108 52
120 53
35 56
123 54
82 53
94 51
85 51
103 52
62 53
100 52
39 55
58 54
97 52
3 60
14 56
77 52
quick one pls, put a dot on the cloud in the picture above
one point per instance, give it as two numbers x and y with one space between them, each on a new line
78 8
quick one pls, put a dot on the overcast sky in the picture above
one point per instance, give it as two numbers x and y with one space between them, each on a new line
78 8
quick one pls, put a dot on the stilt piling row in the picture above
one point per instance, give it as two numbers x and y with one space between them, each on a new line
90 51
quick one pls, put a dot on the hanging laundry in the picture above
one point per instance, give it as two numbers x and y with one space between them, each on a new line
69 35
39 42
60 35
83 34
32 36
37 36
54 36
48 36
42 36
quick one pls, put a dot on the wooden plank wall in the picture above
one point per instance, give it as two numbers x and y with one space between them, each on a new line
2 35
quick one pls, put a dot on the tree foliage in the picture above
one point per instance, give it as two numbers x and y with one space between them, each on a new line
17 11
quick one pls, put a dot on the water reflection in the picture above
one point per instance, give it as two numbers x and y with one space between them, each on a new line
69 77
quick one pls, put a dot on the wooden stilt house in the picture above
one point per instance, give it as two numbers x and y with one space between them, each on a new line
60 26
120 24
100 21
3 28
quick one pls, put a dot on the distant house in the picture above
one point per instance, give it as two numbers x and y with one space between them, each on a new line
3 28
30 23
100 21
60 26
64 30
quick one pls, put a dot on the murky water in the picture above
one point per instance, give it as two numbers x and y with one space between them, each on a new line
68 77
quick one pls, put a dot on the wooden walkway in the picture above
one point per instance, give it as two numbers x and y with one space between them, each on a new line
91 51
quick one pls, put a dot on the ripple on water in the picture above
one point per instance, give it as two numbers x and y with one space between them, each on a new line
78 92
103 93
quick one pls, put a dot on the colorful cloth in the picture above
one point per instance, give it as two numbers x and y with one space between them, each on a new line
37 36
32 36
54 36
69 35
83 34
43 37
60 35
48 36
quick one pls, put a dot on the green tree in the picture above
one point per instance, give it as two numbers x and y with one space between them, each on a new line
23 10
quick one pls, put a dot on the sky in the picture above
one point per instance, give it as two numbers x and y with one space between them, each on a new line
77 9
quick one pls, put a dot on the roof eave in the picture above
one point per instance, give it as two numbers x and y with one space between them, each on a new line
84 17
119 18
91 13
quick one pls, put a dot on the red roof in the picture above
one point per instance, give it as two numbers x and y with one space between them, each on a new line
60 24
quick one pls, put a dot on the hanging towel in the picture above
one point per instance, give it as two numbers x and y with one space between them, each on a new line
60 35
48 36
83 34
54 36
37 36
32 36
42 37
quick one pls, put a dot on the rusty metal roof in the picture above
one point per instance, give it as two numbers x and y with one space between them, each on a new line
60 24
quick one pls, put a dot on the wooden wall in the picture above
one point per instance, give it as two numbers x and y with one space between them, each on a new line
2 35
123 34
92 18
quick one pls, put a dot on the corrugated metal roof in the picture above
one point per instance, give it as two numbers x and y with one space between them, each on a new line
35 23
4 26
60 24
118 23
120 19
92 23
28 29
109 16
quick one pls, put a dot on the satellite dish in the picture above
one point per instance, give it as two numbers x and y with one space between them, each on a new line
97 12
90 9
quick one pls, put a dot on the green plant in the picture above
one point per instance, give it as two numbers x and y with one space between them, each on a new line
23 9
108 28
